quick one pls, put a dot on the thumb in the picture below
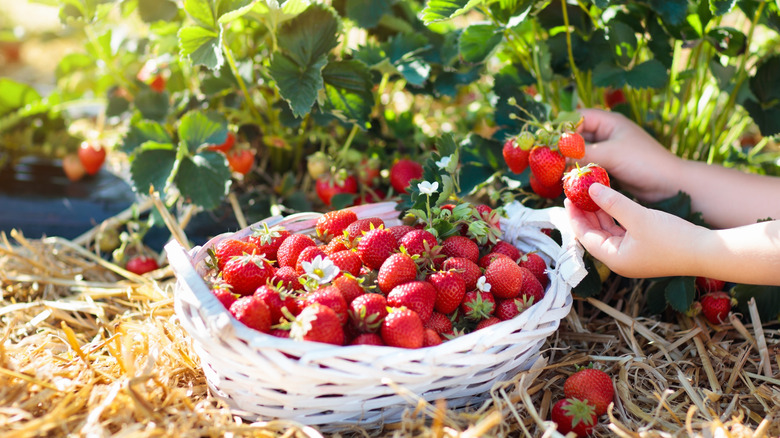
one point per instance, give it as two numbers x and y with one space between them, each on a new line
616 205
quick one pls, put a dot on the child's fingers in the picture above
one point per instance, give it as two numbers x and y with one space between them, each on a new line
597 125
616 205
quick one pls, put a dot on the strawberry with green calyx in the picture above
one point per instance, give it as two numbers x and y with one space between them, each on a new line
367 312
515 157
419 296
571 145
277 299
267 240
573 415
402 327
287 277
291 248
450 290
327 187
403 172
398 269
592 385
337 244
347 261
246 273
317 323
253 312
360 227
229 248
466 268
349 286
333 223
376 246
715 306
307 255
224 294
478 305
577 182
510 308
547 165
460 246
329 296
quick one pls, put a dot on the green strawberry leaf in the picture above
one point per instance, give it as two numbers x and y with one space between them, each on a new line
623 41
367 13
203 12
649 74
728 41
764 84
601 4
151 11
672 12
80 12
142 131
299 87
767 118
680 292
152 105
655 297
439 10
15 95
307 38
229 10
348 91
767 300
203 46
342 200
198 128
478 40
152 166
721 7
204 179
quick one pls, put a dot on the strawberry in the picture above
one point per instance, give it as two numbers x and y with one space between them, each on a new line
431 338
349 287
578 180
487 322
367 339
246 273
591 385
403 172
225 146
531 287
288 277
224 295
399 231
375 247
705 284
505 278
572 145
504 247
92 157
466 268
253 312
418 242
71 165
241 160
317 323
330 296
614 97
357 229
439 323
141 265
267 240
229 248
333 223
280 332
515 157
326 187
307 255
450 289
478 305
276 300
403 328
346 261
398 269
536 264
418 296
572 415
291 248
716 306
546 165
367 312
549 192
511 307
460 246
487 259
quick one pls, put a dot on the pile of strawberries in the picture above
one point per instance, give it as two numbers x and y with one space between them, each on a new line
358 281
587 395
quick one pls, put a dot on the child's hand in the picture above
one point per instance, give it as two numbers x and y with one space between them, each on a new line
630 155
647 243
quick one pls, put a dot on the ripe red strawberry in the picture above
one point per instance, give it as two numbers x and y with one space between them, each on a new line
417 242
367 339
317 323
246 273
337 244
578 180
536 264
439 323
288 277
349 287
614 97
450 289
224 295
276 300
591 385
478 305
367 312
460 246
515 157
399 231
357 229
487 259
547 165
505 278
403 172
280 332
572 145
531 287
375 247
333 223
572 415
228 248
705 284
267 240
549 192
347 261
504 247
419 296
224 147
487 322
398 269
291 248
511 307
92 157
253 312
403 328
141 265
326 187
330 296
307 255
466 268
241 160
431 338
715 306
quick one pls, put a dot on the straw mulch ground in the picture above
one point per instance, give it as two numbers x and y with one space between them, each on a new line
87 349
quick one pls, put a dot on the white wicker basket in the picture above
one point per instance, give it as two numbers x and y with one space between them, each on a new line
333 387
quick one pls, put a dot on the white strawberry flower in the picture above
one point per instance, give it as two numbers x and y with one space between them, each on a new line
321 269
483 285
444 162
427 188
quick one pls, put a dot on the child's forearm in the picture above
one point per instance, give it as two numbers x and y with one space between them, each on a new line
749 254
728 197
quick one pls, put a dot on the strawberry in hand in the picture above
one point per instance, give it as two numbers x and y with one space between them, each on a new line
577 182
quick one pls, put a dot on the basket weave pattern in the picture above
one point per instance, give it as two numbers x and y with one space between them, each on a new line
335 386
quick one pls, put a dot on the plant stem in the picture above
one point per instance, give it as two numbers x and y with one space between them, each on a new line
580 87
248 97
116 74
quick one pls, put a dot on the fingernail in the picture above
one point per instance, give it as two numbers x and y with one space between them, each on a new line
596 189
